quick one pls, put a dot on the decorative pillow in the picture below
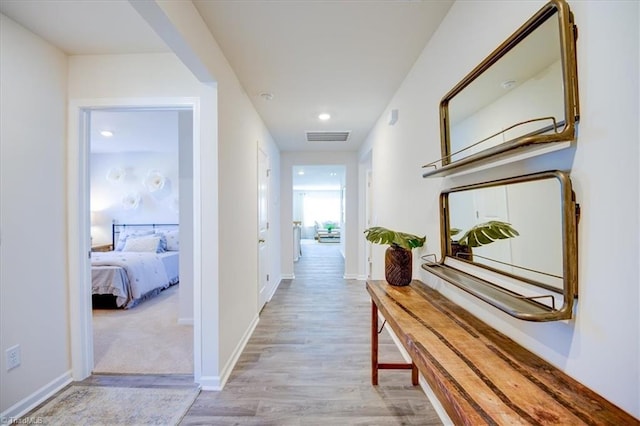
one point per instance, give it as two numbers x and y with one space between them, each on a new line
143 244
124 235
163 243
172 239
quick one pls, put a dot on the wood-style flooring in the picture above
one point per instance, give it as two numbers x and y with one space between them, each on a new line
308 361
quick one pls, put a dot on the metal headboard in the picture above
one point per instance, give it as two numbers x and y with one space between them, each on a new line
117 228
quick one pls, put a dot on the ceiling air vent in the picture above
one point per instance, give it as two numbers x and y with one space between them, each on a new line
327 136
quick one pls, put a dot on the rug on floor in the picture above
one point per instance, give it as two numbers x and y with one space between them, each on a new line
97 405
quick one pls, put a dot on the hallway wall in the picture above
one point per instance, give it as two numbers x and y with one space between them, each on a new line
600 346
33 272
239 129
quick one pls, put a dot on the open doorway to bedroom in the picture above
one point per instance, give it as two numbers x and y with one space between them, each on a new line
140 184
319 198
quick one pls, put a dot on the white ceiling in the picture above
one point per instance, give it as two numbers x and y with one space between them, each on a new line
318 178
86 27
134 131
346 58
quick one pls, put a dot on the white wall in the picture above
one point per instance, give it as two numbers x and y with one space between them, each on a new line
149 79
33 274
600 345
106 196
240 131
350 231
37 75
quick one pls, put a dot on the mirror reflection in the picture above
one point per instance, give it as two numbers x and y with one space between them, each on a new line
515 228
525 84
524 94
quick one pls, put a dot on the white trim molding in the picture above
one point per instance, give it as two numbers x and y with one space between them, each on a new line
216 383
185 321
20 408
273 290
79 225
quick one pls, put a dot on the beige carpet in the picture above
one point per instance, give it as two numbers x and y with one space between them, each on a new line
93 405
146 339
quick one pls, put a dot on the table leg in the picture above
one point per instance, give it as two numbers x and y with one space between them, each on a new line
374 344
375 365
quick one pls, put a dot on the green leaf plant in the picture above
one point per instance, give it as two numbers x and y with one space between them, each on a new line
485 233
381 235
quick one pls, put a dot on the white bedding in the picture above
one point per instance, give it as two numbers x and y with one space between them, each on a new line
144 273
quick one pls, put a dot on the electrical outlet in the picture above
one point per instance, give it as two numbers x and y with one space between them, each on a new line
13 357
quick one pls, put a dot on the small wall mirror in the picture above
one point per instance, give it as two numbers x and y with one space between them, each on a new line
521 230
524 94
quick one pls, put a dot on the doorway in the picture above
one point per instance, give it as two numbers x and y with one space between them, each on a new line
264 285
80 223
136 179
319 206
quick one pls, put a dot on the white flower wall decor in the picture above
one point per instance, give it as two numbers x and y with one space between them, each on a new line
131 201
116 174
154 181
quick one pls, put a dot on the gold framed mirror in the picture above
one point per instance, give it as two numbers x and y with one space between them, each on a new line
513 243
523 95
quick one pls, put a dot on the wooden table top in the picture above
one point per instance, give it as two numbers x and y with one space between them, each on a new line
480 375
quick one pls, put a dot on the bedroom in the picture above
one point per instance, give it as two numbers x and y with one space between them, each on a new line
135 209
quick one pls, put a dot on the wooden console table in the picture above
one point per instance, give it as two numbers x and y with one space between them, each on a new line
479 375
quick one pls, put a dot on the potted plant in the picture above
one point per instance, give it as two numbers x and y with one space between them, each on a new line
329 226
398 259
479 235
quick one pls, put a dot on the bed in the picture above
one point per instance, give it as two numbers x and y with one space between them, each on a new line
145 261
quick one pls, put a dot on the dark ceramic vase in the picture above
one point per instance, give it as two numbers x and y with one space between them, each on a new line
398 265
460 251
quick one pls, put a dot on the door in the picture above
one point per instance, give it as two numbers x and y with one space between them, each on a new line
369 219
491 204
263 228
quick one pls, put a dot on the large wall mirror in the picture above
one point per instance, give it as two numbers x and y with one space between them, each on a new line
523 95
513 242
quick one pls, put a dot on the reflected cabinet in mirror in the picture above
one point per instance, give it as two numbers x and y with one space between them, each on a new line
513 243
522 97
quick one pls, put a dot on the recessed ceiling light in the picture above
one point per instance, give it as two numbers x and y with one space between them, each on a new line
267 96
324 116
508 84
106 133
301 172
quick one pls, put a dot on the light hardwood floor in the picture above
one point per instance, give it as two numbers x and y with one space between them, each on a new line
308 361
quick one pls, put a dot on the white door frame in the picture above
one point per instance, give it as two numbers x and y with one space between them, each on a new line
79 233
264 234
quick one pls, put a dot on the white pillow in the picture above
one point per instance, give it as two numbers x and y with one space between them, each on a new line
142 244
173 240
124 235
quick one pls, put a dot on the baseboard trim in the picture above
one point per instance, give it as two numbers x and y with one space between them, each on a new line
210 383
288 276
431 396
350 276
362 278
21 408
185 321
217 383
274 289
